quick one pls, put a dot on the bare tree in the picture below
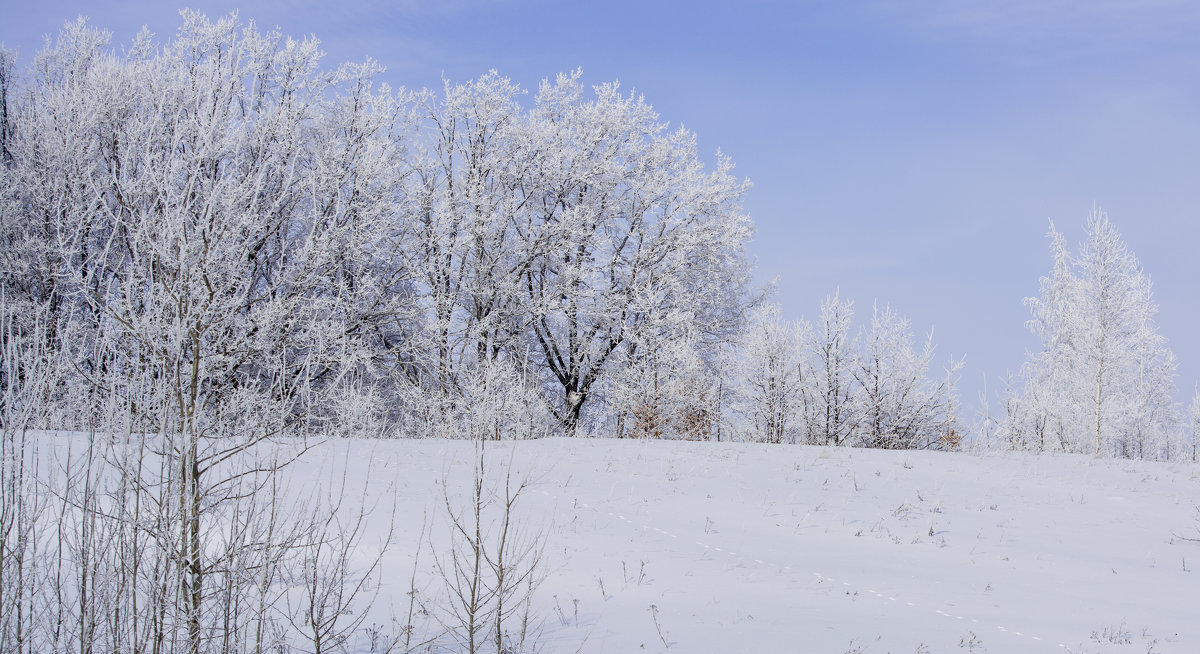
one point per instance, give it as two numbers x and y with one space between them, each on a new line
493 562
29 372
333 586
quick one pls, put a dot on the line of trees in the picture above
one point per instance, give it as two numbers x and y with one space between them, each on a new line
240 243
220 228
825 384
250 224
213 250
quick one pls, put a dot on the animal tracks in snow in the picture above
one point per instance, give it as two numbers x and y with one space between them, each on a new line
820 577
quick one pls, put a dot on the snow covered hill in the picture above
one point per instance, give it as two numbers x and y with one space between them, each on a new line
715 547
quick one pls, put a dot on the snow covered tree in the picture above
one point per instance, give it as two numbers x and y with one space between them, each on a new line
830 398
223 198
660 388
465 250
1104 380
634 236
29 372
577 232
900 406
824 386
208 226
1194 414
769 375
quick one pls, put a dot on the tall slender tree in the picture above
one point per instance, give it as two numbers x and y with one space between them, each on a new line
1103 382
1194 414
830 397
770 375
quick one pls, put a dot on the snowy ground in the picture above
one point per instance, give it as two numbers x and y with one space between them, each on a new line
741 547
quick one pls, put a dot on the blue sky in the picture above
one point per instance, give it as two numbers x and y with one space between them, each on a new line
906 152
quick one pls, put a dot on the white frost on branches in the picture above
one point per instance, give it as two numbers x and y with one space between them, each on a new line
1104 380
823 386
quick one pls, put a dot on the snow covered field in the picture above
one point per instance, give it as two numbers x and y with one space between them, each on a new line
715 547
